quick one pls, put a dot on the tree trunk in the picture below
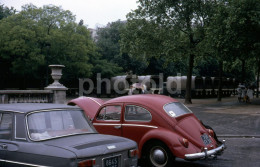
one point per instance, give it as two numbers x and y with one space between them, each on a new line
191 58
188 81
257 80
243 71
220 80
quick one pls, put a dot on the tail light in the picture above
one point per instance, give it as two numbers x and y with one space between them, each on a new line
87 163
211 132
184 142
132 153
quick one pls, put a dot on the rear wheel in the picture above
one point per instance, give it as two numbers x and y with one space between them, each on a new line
157 154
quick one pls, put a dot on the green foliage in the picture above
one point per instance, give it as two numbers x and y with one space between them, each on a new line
108 41
163 36
5 11
169 29
37 37
233 33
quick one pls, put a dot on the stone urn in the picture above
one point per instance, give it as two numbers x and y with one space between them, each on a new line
56 73
59 91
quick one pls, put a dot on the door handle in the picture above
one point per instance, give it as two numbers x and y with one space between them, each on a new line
117 126
4 146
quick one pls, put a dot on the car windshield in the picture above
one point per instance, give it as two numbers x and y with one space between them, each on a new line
45 125
176 109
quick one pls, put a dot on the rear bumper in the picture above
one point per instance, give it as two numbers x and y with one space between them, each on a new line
206 153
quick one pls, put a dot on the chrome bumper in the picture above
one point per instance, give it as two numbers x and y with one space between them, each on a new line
206 153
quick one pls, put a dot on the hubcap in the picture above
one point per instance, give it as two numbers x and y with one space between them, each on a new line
158 156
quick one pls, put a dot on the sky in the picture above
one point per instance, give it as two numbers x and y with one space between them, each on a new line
93 12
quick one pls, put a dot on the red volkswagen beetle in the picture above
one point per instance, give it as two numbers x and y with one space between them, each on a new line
163 127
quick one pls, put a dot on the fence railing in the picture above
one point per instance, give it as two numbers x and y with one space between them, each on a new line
26 96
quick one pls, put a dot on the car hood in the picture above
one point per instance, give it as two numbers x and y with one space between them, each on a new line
90 105
92 144
192 129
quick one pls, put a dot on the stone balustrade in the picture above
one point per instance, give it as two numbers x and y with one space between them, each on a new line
53 93
26 96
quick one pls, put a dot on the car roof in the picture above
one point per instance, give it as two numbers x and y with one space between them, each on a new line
152 100
27 107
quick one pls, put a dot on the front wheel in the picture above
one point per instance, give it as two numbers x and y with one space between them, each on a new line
157 154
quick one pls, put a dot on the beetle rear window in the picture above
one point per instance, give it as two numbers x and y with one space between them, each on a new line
51 124
176 109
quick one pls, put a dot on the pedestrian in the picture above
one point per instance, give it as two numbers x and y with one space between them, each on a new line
239 93
244 94
250 94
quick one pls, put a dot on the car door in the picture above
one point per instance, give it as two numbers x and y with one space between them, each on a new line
5 135
137 122
109 120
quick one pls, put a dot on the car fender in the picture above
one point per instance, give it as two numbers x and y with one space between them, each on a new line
170 138
90 105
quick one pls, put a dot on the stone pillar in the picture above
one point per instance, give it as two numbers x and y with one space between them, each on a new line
3 98
59 91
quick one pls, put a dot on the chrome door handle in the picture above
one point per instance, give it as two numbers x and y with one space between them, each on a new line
117 126
4 146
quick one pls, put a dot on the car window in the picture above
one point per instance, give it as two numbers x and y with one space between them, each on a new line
5 126
20 132
52 124
110 113
136 113
176 109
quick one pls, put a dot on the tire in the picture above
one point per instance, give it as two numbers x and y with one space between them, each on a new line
157 154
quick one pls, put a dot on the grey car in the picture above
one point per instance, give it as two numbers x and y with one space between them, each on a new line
58 135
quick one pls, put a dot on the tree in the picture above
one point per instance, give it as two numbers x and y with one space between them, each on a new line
232 35
218 40
5 11
183 21
81 22
108 42
243 26
37 37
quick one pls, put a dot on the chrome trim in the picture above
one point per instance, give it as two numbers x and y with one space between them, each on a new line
12 111
110 147
106 124
21 163
205 153
52 109
147 126
94 100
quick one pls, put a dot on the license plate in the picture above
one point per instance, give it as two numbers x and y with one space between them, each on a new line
206 139
111 162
